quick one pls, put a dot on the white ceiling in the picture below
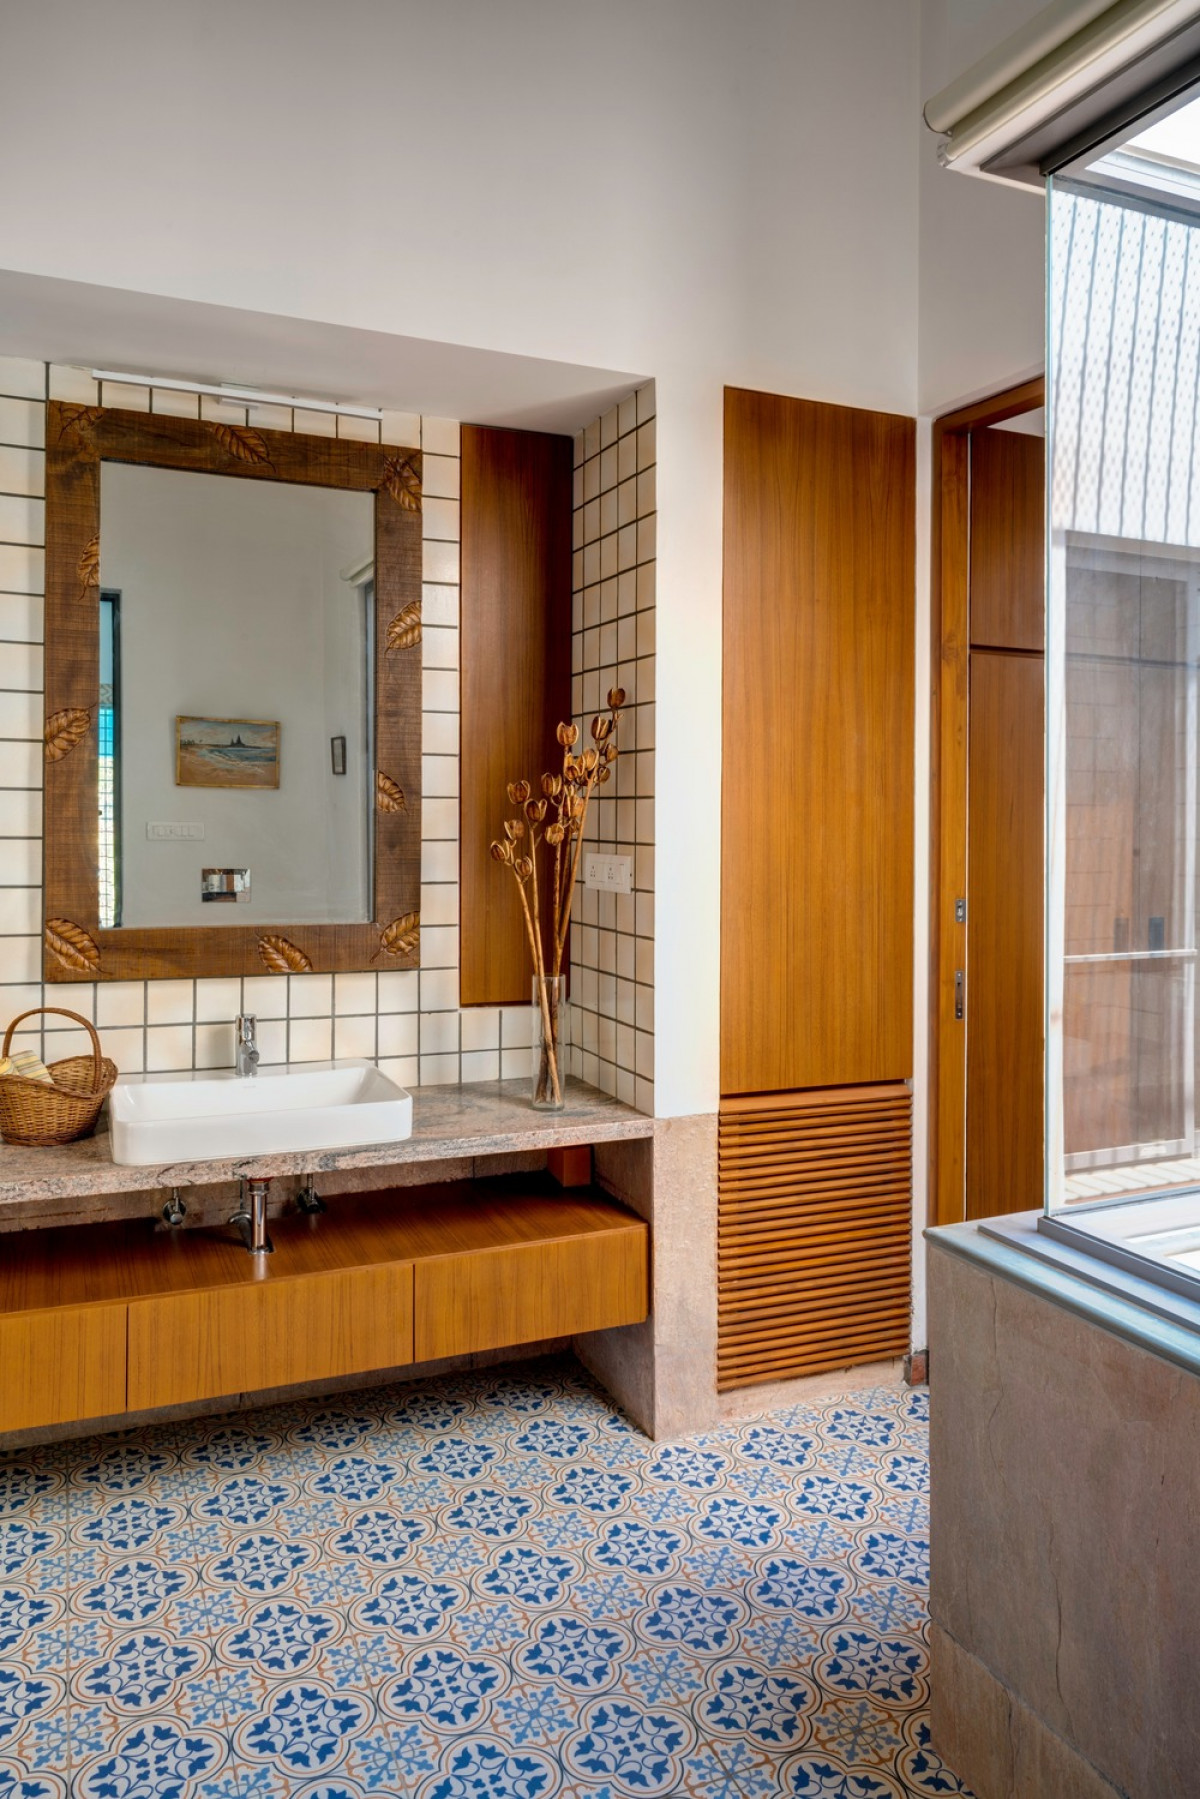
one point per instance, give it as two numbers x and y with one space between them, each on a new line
147 334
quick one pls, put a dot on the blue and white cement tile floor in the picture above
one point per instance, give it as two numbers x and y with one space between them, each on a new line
490 1586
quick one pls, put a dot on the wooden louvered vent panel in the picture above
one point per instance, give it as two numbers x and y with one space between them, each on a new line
814 1238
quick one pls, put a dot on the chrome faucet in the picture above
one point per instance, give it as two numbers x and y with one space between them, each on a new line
247 1049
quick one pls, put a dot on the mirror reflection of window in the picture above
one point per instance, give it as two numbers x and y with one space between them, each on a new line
109 767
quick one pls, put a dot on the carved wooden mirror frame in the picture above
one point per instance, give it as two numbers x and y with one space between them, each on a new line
78 440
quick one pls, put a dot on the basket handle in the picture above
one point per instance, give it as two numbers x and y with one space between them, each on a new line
60 1012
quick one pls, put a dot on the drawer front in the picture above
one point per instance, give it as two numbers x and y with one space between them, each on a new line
61 1365
523 1292
246 1339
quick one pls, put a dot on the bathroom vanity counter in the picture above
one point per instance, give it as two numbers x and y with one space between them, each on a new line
484 1119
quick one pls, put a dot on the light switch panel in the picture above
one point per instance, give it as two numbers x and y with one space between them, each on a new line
611 874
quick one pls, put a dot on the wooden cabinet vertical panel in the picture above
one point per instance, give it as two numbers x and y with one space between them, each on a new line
1004 1011
817 786
1007 553
61 1364
515 654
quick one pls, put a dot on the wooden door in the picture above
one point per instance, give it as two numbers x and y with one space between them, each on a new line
1004 1006
1003 961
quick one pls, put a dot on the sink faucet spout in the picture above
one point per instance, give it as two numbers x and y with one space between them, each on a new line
246 1045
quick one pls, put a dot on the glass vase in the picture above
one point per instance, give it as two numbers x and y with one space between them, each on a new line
549 1043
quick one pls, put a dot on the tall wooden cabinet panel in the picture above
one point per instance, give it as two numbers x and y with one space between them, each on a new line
515 654
817 790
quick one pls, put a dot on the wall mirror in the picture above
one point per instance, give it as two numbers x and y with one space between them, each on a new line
233 699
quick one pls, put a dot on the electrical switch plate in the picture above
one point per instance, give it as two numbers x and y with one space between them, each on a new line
160 831
611 874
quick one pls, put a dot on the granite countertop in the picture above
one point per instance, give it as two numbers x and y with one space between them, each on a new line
480 1119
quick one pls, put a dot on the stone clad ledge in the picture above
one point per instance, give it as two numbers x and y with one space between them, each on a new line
450 1124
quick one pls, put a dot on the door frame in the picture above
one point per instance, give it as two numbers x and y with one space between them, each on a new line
949 707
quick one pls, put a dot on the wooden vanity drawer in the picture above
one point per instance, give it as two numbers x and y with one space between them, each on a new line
61 1364
522 1292
269 1333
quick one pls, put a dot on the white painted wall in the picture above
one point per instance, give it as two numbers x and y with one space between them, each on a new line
710 193
233 605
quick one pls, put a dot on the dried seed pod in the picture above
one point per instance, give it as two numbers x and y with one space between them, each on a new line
590 759
551 786
535 811
601 728
610 750
568 736
518 792
514 828
555 834
604 775
501 852
524 867
616 697
578 808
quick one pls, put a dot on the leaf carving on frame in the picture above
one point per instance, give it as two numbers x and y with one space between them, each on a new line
74 947
401 936
75 422
240 442
405 629
389 794
88 567
402 480
64 730
282 957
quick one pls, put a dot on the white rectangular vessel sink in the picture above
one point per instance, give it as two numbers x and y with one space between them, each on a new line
207 1117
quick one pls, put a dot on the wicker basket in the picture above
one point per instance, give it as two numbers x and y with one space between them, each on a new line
34 1113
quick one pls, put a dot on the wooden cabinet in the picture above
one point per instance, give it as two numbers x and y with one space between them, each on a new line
62 1364
523 1292
110 1318
250 1338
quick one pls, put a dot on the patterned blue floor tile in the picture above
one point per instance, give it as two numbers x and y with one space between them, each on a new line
485 1587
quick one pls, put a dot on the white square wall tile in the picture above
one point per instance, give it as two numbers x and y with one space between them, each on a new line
74 385
20 959
439 1033
481 1065
354 1036
440 1071
127 1049
22 377
440 437
168 1047
22 422
216 1048
480 1028
402 430
399 1035
170 1003
439 862
310 1039
21 862
439 990
404 1070
310 995
22 471
439 562
20 911
354 993
121 1003
265 996
218 1001
22 519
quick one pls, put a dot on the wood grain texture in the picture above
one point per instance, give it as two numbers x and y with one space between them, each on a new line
814 1223
816 942
269 1334
504 1261
1005 996
61 1365
570 1166
78 439
515 656
950 654
525 1292
1008 551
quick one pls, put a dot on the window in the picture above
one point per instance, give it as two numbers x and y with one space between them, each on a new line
109 751
1123 701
